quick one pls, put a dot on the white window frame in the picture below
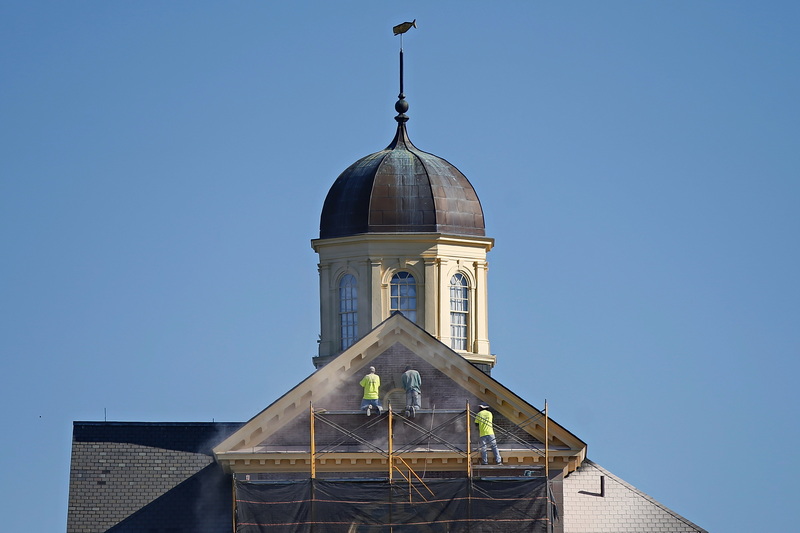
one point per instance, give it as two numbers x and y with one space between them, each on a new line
403 294
459 312
348 311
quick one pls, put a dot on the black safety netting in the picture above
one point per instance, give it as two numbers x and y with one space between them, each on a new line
452 506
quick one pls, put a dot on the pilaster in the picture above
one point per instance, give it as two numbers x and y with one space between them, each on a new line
376 291
481 344
432 300
327 328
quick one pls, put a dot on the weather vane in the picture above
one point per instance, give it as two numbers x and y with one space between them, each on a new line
402 106
400 29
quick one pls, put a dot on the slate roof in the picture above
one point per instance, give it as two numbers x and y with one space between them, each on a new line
145 476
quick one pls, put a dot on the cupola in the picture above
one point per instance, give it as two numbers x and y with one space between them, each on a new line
402 230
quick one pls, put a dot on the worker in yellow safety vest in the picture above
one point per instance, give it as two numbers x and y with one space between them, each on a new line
485 422
371 384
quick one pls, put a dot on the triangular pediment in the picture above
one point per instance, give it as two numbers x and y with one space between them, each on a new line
279 437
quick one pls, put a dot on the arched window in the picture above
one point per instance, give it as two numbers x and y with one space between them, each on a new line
348 310
459 312
404 295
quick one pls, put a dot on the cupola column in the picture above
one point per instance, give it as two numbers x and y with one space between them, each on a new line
376 291
431 324
481 308
327 324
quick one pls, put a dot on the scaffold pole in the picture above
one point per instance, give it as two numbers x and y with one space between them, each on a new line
469 446
391 456
547 468
313 444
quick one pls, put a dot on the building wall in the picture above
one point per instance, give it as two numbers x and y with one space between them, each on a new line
148 478
160 478
619 508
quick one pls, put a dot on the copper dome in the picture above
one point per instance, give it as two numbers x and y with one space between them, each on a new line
401 189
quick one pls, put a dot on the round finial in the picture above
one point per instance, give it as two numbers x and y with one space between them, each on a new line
401 106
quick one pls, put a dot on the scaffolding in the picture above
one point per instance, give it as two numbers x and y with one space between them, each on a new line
518 495
394 455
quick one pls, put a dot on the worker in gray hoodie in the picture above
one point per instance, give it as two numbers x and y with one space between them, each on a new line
412 383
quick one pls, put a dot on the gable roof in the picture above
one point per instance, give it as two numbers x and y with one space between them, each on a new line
240 448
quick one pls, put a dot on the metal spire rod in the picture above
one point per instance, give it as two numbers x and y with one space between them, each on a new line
401 67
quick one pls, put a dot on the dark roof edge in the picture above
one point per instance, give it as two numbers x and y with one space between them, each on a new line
165 424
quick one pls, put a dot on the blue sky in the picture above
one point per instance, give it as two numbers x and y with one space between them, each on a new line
163 166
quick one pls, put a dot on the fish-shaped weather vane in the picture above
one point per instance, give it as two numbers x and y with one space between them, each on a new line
400 29
404 27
